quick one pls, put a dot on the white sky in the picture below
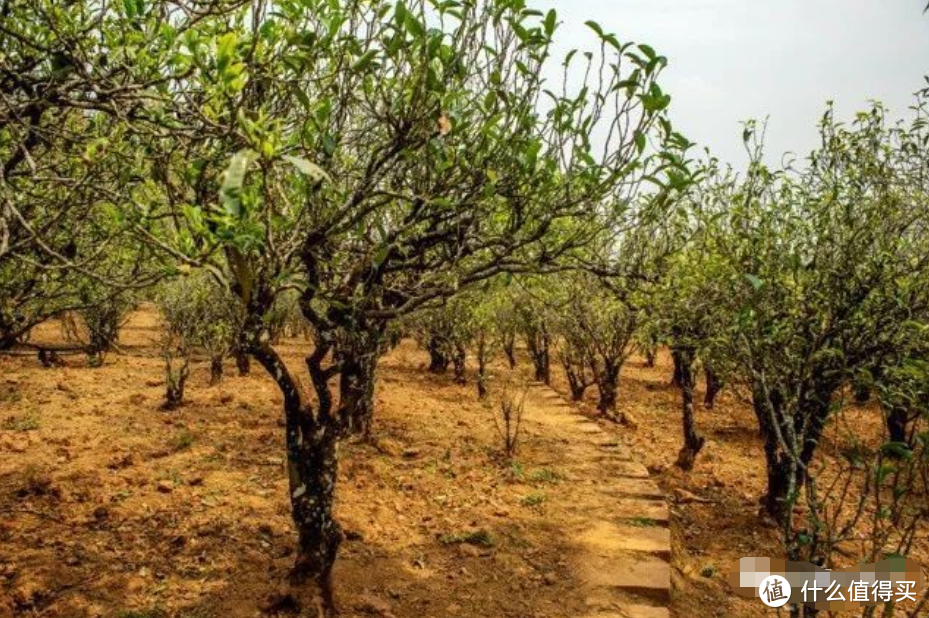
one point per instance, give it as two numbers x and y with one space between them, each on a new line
730 60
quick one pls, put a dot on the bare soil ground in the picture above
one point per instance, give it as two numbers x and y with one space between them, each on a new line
111 507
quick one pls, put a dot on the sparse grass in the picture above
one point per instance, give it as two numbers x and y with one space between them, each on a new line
26 422
481 538
11 395
545 475
643 522
533 499
182 441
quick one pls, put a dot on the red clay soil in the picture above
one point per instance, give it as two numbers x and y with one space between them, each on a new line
112 507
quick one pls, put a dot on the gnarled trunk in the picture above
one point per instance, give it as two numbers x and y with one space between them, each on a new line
576 374
313 465
356 382
216 370
482 357
243 362
786 473
538 342
459 358
684 358
509 348
438 361
897 420
175 380
713 386
608 385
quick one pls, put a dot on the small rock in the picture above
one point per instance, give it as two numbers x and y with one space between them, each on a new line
469 551
353 535
27 593
411 453
165 487
373 605
389 447
550 579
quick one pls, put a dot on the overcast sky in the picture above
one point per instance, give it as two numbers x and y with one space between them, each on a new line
730 60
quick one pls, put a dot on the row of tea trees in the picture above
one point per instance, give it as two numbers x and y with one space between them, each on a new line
371 157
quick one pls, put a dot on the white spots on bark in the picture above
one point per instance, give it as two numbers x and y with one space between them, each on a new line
299 491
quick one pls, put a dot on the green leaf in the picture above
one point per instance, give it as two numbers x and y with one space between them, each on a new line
230 194
550 23
595 27
640 141
755 281
380 255
308 168
365 61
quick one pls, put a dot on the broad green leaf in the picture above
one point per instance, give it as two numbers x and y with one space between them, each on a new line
308 168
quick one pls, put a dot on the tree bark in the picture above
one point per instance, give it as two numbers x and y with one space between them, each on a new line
693 441
313 464
216 370
897 420
785 476
713 386
438 361
509 348
537 340
608 384
243 363
175 380
482 354
459 361
676 376
577 380
358 371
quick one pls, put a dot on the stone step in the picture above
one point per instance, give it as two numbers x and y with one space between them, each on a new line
643 511
636 574
623 488
607 538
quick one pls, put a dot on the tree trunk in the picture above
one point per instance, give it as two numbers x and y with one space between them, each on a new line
216 370
312 468
650 355
608 384
577 381
482 354
538 343
812 414
509 348
438 362
313 464
676 376
243 363
358 358
693 442
713 386
897 424
175 380
459 363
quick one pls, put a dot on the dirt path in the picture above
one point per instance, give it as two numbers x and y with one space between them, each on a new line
617 518
110 507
